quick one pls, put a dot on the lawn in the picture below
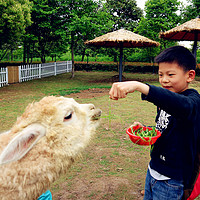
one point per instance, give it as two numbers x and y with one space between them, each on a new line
111 167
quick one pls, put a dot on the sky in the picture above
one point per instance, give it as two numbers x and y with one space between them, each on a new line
141 3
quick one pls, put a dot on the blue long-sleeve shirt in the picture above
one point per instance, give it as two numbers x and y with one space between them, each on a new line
178 119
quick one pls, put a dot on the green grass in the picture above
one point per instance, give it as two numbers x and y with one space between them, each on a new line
14 98
63 92
111 167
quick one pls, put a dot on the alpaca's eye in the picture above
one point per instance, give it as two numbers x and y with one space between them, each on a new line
67 117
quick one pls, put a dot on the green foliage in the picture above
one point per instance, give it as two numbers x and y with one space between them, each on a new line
83 21
91 56
43 35
161 15
129 67
84 18
142 54
14 18
137 57
191 11
125 13
60 26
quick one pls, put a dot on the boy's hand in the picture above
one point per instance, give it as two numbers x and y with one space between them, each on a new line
121 89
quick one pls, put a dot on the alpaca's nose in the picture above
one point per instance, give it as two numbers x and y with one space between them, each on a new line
97 114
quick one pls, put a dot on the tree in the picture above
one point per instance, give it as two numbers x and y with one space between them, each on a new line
60 23
42 34
125 13
191 11
14 18
83 20
161 15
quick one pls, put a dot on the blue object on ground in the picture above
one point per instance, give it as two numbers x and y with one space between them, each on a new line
45 196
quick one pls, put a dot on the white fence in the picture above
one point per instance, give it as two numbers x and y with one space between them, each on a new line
3 76
34 71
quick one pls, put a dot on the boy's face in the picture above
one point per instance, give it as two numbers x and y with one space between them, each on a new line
173 77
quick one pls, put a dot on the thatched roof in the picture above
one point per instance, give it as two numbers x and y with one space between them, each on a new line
127 38
183 32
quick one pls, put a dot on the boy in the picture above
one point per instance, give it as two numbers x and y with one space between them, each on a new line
174 154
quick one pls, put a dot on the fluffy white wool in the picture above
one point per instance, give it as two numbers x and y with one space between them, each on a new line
42 145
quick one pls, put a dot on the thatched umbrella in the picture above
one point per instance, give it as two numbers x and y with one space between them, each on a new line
122 38
189 31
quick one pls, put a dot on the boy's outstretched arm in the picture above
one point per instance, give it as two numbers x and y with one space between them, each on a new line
121 89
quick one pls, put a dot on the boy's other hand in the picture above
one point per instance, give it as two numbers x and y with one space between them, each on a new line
137 123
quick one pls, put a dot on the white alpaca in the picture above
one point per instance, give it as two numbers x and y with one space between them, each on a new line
42 145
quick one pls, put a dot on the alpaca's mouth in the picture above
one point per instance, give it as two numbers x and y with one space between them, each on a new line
96 115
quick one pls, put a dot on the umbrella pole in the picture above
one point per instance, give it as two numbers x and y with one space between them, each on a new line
120 62
194 49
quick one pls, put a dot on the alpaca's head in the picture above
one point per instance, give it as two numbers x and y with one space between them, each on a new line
61 125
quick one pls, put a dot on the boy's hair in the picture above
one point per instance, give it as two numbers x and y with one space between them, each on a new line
179 54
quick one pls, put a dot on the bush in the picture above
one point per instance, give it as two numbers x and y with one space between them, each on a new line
112 66
133 67
137 57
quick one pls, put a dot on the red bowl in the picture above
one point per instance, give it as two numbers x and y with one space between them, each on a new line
142 140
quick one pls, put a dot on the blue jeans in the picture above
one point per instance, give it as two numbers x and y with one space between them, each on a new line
162 190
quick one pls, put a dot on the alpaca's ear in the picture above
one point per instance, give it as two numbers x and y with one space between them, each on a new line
22 143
